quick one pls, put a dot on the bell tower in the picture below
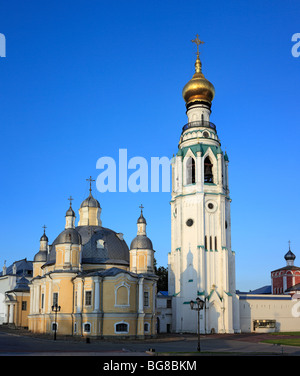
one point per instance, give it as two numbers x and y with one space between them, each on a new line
201 261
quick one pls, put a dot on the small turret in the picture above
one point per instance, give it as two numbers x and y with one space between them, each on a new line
90 210
141 249
289 256
41 257
70 216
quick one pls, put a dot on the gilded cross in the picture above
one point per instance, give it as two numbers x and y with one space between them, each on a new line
44 227
198 42
141 207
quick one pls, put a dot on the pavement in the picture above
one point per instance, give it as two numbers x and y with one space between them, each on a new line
20 342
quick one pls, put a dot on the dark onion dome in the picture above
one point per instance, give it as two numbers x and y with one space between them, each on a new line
289 256
44 238
70 212
90 202
69 235
41 256
141 242
99 246
141 219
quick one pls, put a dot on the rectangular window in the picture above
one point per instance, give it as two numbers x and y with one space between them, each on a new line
75 299
88 298
169 303
42 301
121 328
146 299
205 244
24 306
216 245
210 243
55 298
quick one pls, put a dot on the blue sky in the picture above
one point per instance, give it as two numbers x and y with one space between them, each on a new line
83 79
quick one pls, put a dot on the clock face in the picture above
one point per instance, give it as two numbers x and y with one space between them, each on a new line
189 222
210 205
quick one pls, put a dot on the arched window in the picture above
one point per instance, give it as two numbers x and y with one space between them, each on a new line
208 175
190 171
87 327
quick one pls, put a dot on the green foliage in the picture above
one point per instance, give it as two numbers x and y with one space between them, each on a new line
162 273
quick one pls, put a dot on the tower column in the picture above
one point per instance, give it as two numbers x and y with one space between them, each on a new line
141 314
97 295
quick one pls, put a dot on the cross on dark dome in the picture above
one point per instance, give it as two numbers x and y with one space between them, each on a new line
90 180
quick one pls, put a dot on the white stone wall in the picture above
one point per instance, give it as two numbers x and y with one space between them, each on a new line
164 314
283 309
7 283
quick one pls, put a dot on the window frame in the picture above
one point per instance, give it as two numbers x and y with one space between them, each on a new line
121 331
88 298
84 327
190 171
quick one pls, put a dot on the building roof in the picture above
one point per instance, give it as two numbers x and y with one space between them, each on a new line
108 272
141 242
289 255
41 256
293 288
90 201
22 267
22 285
287 267
262 290
164 294
100 245
69 235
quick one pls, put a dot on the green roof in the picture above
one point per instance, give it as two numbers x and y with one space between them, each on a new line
202 148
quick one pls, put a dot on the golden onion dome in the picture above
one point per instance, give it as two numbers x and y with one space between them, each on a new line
198 88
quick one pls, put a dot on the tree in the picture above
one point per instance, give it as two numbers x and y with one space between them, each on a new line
162 273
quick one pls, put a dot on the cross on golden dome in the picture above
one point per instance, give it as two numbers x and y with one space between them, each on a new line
198 42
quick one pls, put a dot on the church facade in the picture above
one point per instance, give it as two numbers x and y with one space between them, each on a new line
88 282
